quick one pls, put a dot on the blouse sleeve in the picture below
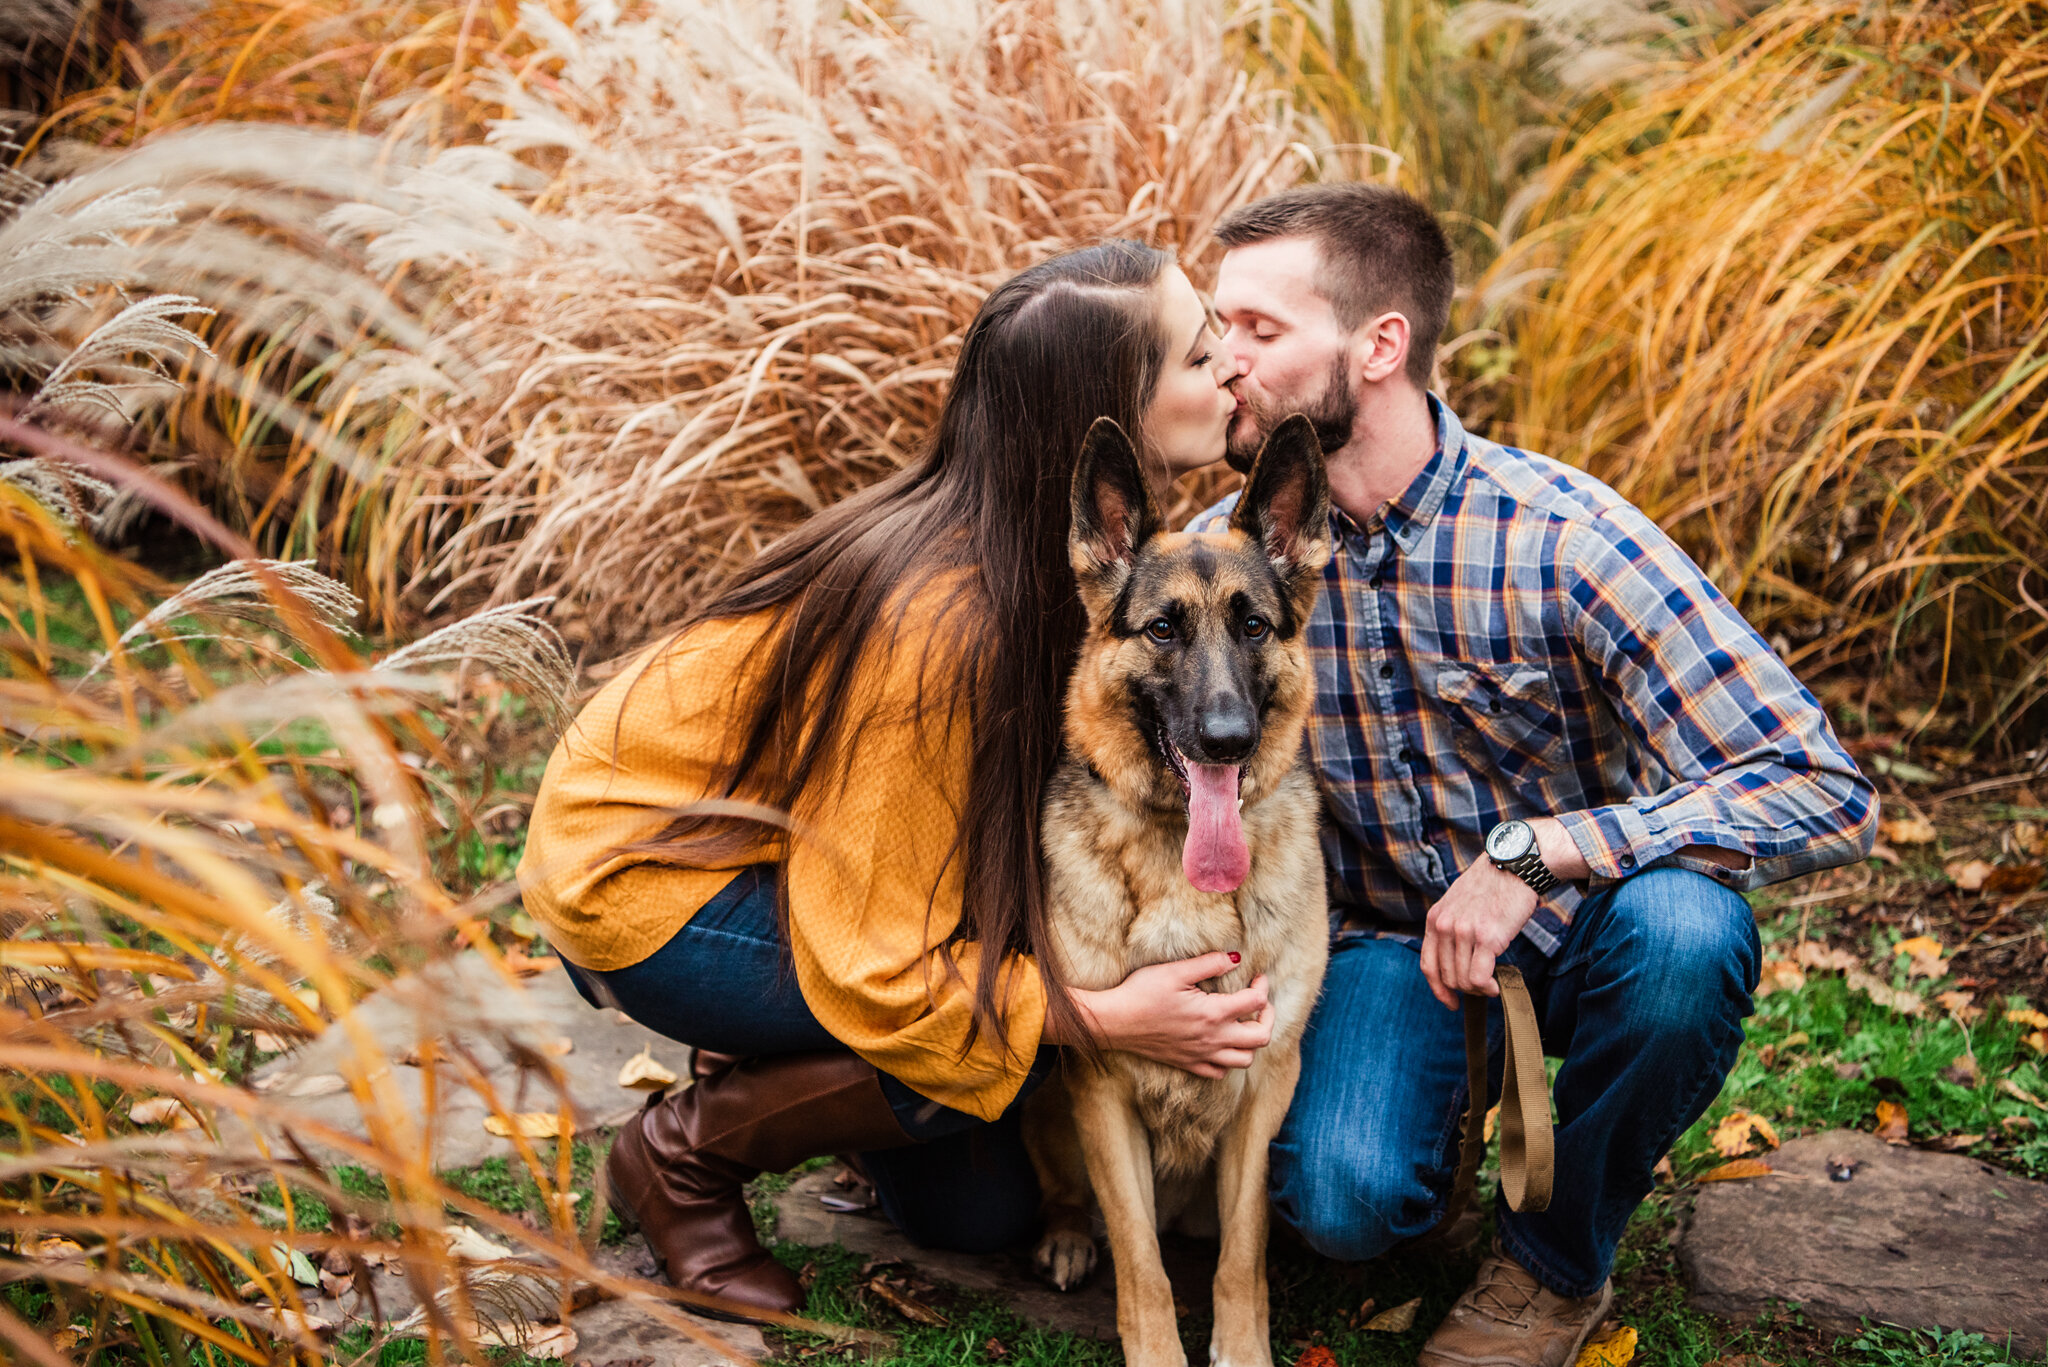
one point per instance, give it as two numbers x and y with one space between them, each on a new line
875 887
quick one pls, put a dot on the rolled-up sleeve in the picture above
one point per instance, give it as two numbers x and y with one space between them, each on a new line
1755 768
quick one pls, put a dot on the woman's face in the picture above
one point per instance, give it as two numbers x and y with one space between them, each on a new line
1188 422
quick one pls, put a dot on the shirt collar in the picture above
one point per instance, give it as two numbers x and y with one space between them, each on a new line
1409 515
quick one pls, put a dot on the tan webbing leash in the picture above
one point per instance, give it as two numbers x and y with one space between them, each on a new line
1528 1157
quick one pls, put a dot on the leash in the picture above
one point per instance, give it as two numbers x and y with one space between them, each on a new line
1528 1154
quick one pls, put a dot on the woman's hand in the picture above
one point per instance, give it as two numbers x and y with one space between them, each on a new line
1160 1012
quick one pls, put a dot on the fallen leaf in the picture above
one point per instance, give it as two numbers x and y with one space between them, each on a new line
1891 1122
643 1074
1848 1072
905 1304
332 1284
529 1124
2036 1041
155 1111
545 1342
318 1084
1920 947
69 1337
1968 875
1963 1072
53 1246
464 1242
1795 1039
1899 999
2017 1122
2009 879
1908 830
1737 1170
2028 838
1742 1131
1492 1120
1664 1172
1316 1356
1958 1004
267 1043
1955 1143
995 1351
1814 954
2013 1089
2029 1016
1780 975
1616 1350
1398 1320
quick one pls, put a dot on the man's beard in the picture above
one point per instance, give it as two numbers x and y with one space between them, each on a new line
1332 413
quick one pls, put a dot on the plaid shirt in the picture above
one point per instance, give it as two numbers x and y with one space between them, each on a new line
1510 638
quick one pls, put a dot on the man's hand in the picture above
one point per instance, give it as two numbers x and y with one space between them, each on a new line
1483 912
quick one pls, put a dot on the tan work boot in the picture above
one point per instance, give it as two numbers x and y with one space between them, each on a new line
1508 1319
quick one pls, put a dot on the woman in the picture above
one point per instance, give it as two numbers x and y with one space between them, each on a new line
801 835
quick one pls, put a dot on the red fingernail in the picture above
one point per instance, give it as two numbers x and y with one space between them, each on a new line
1233 956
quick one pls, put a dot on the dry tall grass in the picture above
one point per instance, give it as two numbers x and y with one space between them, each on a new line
1795 306
177 892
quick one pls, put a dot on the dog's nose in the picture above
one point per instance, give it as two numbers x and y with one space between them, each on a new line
1229 731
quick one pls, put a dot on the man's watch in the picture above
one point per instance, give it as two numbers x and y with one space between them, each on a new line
1512 847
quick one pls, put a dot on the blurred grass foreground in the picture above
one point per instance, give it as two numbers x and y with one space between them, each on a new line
498 329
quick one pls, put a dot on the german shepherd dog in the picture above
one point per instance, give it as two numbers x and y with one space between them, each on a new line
1182 820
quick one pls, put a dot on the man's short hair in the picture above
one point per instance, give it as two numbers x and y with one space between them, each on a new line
1381 250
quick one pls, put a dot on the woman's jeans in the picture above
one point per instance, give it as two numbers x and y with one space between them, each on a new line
724 983
1644 1002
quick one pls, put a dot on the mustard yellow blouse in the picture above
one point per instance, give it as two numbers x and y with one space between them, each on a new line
874 884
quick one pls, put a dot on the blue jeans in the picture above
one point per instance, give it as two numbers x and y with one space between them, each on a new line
1644 1002
724 983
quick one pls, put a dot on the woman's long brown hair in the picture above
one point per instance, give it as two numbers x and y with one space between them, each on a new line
1072 339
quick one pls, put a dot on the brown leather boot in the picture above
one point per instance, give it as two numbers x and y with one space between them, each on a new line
1509 1319
677 1168
704 1063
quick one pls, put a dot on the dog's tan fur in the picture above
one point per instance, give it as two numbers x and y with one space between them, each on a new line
1118 899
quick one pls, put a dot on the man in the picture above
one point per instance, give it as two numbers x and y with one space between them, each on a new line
1545 740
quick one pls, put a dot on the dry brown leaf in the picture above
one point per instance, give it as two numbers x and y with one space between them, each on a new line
2013 1089
905 1304
1617 1349
1741 1132
1664 1172
267 1043
1969 875
69 1337
2028 1016
1963 1072
1814 954
1891 1122
2008 880
1920 947
2027 838
468 1244
1955 1143
1959 1005
530 1125
317 1084
1398 1320
643 1074
1898 999
155 1111
1492 1122
53 1246
2036 1040
1737 1170
1780 975
1908 830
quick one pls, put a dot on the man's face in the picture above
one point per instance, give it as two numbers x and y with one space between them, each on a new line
1293 354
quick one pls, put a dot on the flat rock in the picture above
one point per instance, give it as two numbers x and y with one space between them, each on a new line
1090 1311
467 1001
1912 1238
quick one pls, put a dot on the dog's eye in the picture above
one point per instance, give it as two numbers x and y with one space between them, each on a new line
1159 629
1255 628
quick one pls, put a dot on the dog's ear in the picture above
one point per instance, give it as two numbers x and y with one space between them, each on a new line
1112 511
1285 507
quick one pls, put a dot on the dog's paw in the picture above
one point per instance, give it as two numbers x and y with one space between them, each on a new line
1064 1258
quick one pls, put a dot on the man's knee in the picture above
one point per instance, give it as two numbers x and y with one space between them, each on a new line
1347 1206
1689 947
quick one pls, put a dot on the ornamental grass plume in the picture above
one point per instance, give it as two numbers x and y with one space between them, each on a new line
1795 305
182 893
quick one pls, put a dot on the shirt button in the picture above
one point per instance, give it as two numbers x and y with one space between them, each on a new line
1408 756
1628 861
1386 671
1375 581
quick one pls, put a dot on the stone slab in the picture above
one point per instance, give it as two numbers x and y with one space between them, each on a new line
466 1000
1089 1311
1912 1238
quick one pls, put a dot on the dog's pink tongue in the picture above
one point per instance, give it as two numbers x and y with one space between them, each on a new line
1215 856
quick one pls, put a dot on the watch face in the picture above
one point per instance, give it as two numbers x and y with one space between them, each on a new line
1509 841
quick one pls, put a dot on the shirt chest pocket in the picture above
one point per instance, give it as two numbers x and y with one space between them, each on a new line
1504 717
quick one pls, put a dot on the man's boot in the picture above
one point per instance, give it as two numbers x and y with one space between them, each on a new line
1509 1319
677 1168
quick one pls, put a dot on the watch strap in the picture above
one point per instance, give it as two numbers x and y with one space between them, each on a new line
1531 869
